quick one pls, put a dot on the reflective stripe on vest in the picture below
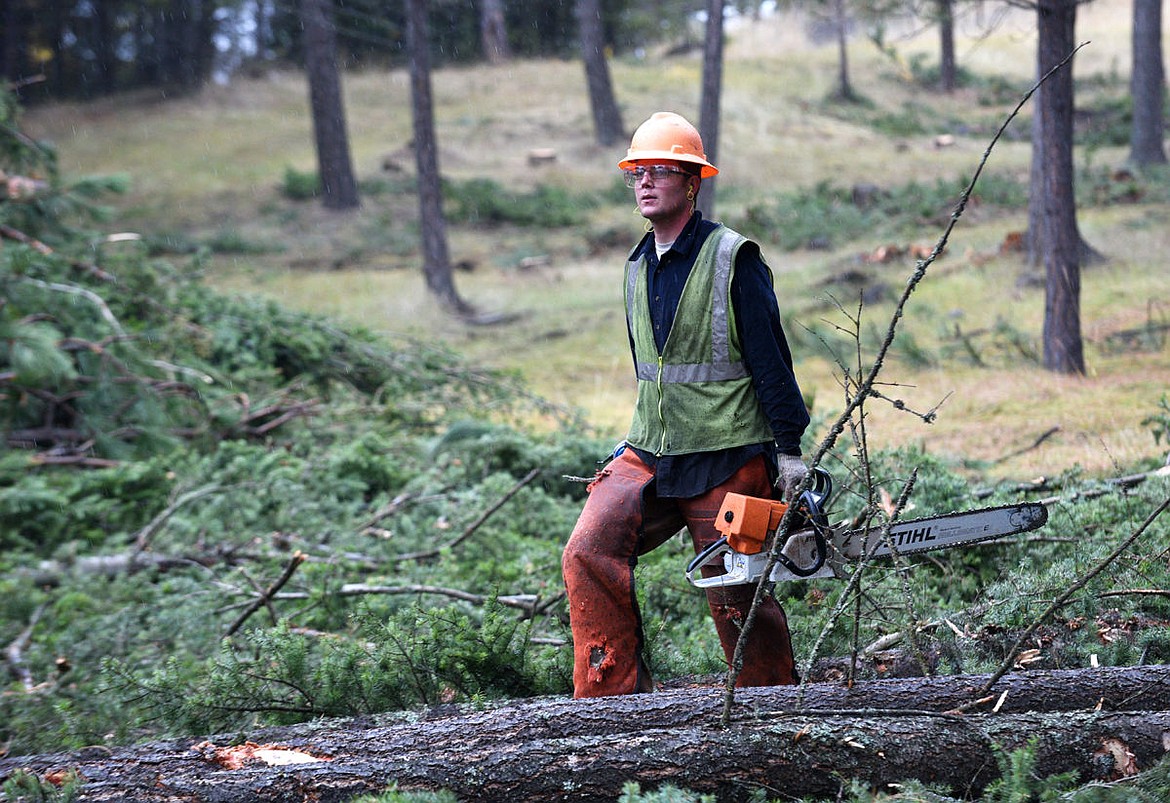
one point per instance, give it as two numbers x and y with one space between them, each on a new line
721 367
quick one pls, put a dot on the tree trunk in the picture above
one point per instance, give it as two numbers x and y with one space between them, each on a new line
338 187
1036 201
436 260
104 37
559 749
709 101
607 118
58 12
188 22
1061 239
1147 85
947 78
841 20
11 61
493 32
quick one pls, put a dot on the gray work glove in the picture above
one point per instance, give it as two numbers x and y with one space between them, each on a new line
791 473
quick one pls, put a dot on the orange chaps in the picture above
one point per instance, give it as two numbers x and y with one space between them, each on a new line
623 518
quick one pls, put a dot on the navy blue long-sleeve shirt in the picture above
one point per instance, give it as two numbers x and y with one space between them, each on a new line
765 353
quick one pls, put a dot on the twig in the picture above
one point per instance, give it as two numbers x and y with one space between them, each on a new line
866 386
144 536
297 559
44 459
1112 483
1136 592
890 639
475 525
84 293
903 574
850 589
531 604
14 652
1035 445
24 239
1060 601
396 504
272 617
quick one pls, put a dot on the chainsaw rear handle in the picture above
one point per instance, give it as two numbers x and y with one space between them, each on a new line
812 506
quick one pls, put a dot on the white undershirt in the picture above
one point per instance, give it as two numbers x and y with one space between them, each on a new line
662 248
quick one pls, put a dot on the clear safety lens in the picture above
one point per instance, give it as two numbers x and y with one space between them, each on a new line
657 173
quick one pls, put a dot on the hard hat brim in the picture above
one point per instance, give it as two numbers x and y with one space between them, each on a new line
706 169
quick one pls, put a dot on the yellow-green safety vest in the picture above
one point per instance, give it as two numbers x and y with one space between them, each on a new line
697 396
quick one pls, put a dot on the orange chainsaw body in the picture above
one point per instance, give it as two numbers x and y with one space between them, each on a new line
747 521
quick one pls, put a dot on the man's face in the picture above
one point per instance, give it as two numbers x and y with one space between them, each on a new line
661 191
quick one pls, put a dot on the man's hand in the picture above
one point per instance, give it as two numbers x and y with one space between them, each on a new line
791 473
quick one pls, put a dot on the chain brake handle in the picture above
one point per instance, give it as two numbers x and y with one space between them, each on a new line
811 506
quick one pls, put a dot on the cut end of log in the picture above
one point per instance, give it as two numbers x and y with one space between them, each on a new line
234 757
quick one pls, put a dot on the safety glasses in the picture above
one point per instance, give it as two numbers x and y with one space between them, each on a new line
634 175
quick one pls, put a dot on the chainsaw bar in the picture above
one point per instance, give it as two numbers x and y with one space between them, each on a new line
805 551
941 532
821 550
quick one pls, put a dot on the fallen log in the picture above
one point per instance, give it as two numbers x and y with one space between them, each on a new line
556 748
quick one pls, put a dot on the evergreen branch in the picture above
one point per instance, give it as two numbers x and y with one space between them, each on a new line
1060 601
471 528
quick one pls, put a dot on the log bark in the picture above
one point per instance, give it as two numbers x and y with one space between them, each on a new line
1099 723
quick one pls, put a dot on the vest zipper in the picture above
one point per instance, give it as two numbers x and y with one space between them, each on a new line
661 415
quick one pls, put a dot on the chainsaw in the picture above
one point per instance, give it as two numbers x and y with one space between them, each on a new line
816 549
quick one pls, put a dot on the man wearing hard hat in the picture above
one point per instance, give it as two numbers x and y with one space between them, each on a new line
718 410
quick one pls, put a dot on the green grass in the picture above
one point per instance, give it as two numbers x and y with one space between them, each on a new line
212 172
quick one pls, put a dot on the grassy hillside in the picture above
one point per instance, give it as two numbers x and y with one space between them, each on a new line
208 171
413 531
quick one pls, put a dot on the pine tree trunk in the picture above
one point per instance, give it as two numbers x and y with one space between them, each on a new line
947 78
841 19
436 259
1099 724
1147 85
339 189
493 32
607 119
1063 346
709 101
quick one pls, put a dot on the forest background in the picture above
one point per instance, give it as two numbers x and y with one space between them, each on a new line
404 473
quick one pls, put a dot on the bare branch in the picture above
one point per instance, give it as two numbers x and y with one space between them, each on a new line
475 525
144 536
24 239
297 559
14 653
529 603
1136 592
84 293
865 387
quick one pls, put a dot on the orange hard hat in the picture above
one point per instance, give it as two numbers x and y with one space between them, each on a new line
667 135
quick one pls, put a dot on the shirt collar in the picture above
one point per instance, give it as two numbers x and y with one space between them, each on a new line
682 243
